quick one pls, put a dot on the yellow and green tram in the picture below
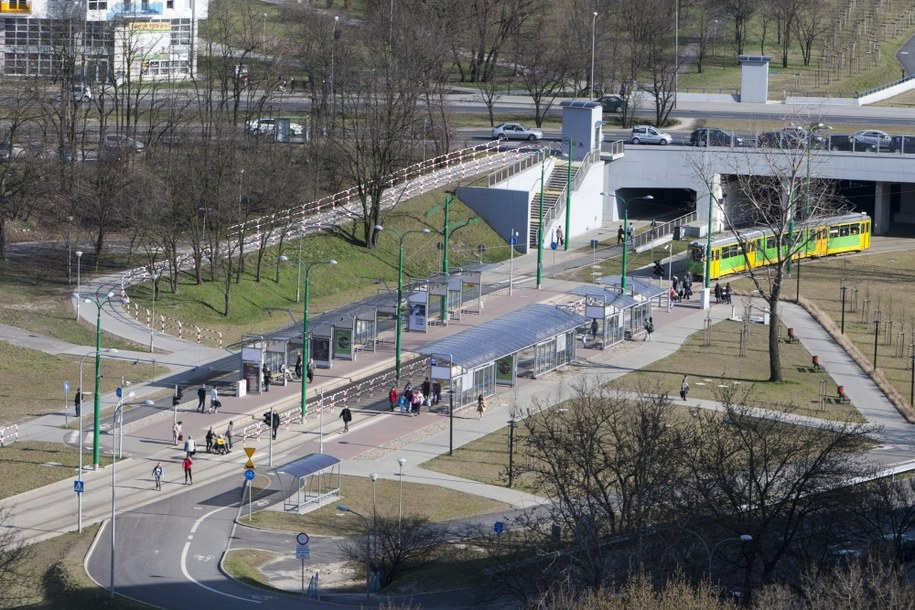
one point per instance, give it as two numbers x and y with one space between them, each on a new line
822 237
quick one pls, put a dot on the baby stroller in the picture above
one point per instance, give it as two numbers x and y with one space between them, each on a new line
220 447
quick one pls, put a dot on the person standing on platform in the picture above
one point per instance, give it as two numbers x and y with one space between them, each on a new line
347 416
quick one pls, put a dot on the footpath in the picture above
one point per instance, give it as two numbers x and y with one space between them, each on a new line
377 438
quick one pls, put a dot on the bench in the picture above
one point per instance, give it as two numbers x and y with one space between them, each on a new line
843 395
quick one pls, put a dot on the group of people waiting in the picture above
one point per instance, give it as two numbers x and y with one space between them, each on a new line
411 399
723 295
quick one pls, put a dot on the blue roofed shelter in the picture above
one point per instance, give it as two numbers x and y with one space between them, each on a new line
309 482
529 342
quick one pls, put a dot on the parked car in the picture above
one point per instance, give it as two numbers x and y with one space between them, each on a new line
79 94
268 126
613 104
709 136
791 137
515 131
115 141
870 140
903 144
648 134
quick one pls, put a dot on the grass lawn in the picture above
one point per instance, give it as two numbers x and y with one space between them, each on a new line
26 465
55 579
430 501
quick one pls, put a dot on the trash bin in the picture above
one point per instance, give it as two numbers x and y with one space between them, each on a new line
677 233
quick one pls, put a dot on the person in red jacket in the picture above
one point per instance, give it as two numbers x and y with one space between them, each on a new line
392 397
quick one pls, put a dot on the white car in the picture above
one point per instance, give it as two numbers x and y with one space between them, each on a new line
648 134
269 126
515 131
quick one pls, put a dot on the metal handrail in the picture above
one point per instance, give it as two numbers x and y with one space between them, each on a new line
646 237
531 158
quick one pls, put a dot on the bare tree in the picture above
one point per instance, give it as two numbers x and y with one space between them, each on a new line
397 546
546 66
810 26
763 475
741 12
14 555
774 193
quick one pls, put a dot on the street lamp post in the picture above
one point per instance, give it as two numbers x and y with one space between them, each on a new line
333 47
374 478
79 257
97 402
591 81
400 462
512 240
812 130
711 551
69 255
305 343
152 328
511 452
540 226
843 289
399 309
79 476
343 508
626 231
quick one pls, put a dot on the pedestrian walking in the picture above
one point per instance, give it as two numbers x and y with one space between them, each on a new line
157 475
209 438
717 293
728 291
201 397
629 233
481 406
684 387
415 401
214 399
292 85
187 465
619 235
675 282
649 328
593 328
229 429
177 436
310 369
402 403
78 401
298 357
392 397
347 416
190 447
427 388
267 378
436 392
560 238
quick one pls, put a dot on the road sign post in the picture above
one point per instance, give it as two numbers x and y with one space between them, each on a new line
498 527
66 400
249 476
302 552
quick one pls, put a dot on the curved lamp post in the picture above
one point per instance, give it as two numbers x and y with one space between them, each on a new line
305 344
79 476
626 230
711 551
398 330
79 258
97 402
117 419
343 508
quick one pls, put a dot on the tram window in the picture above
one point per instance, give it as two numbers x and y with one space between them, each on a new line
843 231
770 243
855 229
697 254
833 231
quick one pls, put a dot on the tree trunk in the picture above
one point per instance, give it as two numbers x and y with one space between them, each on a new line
775 362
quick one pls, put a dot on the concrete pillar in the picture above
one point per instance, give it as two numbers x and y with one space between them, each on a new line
881 207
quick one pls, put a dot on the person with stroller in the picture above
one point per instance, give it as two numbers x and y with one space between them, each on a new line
220 447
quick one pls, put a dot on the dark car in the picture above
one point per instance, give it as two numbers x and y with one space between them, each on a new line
613 104
791 137
903 144
708 136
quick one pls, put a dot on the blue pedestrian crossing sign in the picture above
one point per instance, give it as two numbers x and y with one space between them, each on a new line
249 475
119 392
66 386
498 527
79 486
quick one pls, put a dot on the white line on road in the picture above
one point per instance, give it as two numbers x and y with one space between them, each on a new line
187 546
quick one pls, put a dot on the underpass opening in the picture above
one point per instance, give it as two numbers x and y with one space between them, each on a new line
666 205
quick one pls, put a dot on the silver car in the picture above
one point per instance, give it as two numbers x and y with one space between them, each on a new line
648 134
870 140
269 126
515 131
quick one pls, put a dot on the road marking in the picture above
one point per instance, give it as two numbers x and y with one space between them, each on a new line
187 575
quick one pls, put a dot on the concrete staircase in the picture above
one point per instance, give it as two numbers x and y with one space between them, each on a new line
553 199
